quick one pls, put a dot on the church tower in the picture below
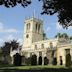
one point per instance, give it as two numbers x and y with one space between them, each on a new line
33 32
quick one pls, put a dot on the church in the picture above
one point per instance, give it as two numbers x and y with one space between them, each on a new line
45 50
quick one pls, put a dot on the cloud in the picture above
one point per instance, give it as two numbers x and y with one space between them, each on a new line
20 40
10 37
9 30
1 26
69 27
1 42
48 28
58 26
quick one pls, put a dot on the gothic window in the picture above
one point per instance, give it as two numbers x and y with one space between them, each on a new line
52 53
36 27
42 46
35 46
40 53
61 62
28 26
51 45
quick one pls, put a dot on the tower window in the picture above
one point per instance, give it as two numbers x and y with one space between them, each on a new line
51 45
28 26
35 46
36 27
42 46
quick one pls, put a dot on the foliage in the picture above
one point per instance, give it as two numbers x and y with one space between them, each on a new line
70 37
63 8
7 46
64 35
6 49
13 3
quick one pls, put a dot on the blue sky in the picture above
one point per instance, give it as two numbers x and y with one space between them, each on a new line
12 22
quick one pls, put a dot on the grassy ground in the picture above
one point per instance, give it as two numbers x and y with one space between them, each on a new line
34 69
30 67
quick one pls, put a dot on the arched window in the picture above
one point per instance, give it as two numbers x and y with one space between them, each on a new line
28 26
42 46
35 46
36 27
51 45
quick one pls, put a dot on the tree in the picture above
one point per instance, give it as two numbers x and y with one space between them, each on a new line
6 49
14 44
64 35
58 35
13 3
62 7
70 37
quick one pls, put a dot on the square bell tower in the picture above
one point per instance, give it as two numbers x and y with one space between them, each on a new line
33 32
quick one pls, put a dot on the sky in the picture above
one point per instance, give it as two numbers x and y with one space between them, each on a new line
12 22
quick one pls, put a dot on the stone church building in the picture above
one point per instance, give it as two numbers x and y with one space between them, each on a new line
36 43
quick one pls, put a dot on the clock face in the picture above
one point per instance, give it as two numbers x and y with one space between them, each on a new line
27 36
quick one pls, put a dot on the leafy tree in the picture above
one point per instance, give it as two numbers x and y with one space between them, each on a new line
63 8
14 44
6 49
64 35
58 35
13 3
70 37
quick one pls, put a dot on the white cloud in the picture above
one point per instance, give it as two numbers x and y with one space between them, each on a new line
48 28
9 37
20 40
1 26
69 27
9 30
58 26
1 42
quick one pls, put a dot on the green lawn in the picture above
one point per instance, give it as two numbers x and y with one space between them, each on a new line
30 67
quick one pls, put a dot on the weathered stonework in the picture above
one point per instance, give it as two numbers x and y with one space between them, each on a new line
35 43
